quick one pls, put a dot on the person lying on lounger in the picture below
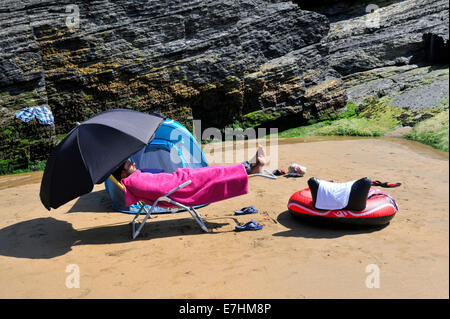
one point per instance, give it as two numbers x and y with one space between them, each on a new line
208 184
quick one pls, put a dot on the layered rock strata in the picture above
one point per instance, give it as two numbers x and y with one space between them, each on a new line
391 53
369 34
223 62
226 62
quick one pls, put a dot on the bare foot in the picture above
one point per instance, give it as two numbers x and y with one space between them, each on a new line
258 161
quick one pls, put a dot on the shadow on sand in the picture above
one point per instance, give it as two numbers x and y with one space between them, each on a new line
94 202
45 238
313 229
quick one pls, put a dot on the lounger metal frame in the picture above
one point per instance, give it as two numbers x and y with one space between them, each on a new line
267 175
148 211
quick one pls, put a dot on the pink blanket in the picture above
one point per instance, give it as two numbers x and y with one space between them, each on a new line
209 184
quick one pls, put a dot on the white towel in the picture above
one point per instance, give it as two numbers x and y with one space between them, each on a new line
333 196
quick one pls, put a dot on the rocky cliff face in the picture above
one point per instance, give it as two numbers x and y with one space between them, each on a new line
224 61
396 51
406 32
247 62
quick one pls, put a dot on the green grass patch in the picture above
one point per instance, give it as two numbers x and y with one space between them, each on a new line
342 127
352 110
308 130
354 127
433 131
257 118
5 168
374 120
382 112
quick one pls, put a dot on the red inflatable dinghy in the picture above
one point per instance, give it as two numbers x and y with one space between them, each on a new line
380 209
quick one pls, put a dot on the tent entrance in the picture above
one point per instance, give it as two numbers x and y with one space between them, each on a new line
172 148
158 157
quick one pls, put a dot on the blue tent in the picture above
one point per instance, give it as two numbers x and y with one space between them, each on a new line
172 147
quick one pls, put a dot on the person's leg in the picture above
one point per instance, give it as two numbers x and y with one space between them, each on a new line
248 167
256 164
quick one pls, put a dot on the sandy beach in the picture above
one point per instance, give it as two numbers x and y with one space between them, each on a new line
286 259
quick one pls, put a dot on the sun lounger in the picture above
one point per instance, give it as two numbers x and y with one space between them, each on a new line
159 202
148 204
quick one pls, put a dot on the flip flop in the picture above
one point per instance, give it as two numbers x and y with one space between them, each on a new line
279 172
294 175
246 210
252 225
386 184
